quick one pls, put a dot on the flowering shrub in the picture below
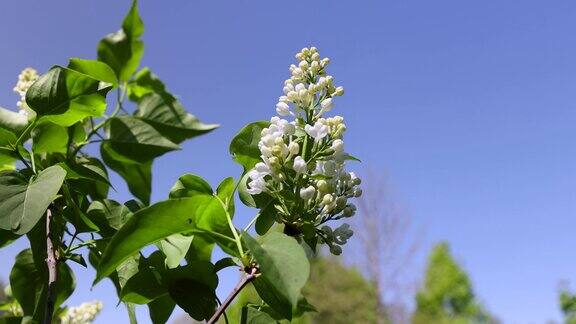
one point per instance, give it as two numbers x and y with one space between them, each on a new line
56 194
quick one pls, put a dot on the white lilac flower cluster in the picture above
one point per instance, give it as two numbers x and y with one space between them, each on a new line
303 159
26 78
83 314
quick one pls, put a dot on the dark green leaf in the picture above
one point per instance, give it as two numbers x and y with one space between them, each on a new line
161 309
109 215
169 118
198 277
284 270
7 237
23 204
145 285
136 139
123 50
64 96
145 82
224 263
138 175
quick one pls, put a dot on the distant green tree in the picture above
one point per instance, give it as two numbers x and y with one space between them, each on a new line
447 296
568 306
340 295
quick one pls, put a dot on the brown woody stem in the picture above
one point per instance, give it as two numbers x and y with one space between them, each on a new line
251 275
52 272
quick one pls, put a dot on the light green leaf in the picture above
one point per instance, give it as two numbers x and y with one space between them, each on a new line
12 120
49 138
138 175
95 69
123 50
7 156
284 270
65 96
244 146
189 185
175 248
21 204
136 139
197 213
169 118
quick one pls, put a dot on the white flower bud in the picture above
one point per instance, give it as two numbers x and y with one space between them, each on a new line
292 95
338 146
315 57
325 61
293 148
299 165
282 109
307 193
326 104
303 65
327 199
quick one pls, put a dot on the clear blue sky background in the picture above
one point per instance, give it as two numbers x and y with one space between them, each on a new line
470 107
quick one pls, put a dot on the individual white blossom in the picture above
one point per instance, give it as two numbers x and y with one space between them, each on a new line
318 131
83 314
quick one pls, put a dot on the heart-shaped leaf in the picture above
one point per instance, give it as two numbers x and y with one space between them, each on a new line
23 204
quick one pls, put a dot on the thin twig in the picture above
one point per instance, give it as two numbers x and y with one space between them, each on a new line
241 284
52 272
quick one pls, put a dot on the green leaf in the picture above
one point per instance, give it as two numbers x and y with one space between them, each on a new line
138 175
49 138
95 69
197 213
224 263
29 284
7 156
123 50
198 277
136 139
145 82
65 96
89 176
201 249
189 185
12 121
7 237
175 248
21 204
169 118
244 146
284 270
251 315
108 215
161 309
146 284
225 192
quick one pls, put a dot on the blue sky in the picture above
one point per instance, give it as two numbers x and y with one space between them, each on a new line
468 106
